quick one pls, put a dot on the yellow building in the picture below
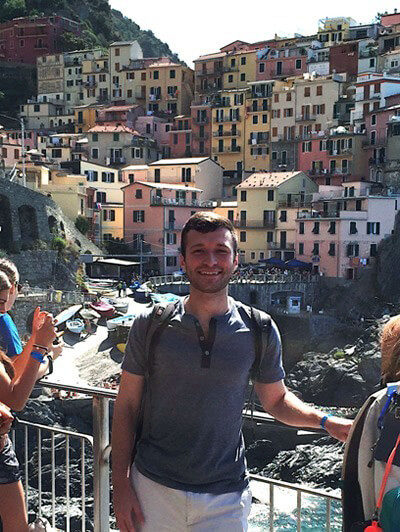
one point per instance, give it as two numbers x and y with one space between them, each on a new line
239 69
85 117
228 129
334 30
258 126
170 87
69 191
96 78
266 219
227 208
112 221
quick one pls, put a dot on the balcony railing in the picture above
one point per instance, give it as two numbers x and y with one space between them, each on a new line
229 149
209 72
256 108
255 95
229 133
155 201
221 103
117 160
197 136
255 141
226 119
280 245
231 69
306 117
255 224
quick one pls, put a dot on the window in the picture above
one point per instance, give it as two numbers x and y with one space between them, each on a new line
252 255
117 52
307 91
373 250
319 90
138 193
186 175
95 153
270 195
352 250
283 216
242 60
315 249
298 64
332 250
109 215
261 67
172 74
274 131
230 78
242 76
301 248
243 195
107 177
101 197
373 228
264 119
276 97
242 236
353 228
36 108
115 137
171 261
316 228
270 236
171 238
56 153
138 216
332 228
156 74
301 228
255 119
95 137
306 147
157 175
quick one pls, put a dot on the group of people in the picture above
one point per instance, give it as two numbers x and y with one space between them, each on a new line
20 367
178 461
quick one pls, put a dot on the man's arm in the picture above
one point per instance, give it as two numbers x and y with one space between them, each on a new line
126 412
283 405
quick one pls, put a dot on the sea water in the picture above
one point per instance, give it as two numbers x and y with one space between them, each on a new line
313 511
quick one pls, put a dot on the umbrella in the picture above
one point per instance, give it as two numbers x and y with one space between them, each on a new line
295 263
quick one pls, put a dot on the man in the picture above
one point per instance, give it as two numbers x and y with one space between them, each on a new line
189 471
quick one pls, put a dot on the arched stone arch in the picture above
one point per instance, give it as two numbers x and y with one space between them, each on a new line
6 232
28 225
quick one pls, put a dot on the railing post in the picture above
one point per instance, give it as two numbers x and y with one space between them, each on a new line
101 465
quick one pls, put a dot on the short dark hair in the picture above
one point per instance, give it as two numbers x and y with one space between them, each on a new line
207 222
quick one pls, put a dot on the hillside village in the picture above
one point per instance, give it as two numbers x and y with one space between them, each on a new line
296 140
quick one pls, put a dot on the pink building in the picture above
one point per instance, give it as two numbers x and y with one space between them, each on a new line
282 62
119 114
31 137
341 233
154 215
10 151
24 39
180 137
313 157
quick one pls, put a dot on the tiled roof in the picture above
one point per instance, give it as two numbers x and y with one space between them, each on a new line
168 186
188 160
267 179
121 107
216 55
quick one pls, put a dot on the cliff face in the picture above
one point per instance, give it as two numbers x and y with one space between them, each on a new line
388 265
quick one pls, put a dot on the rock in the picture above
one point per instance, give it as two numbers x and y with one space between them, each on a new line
370 368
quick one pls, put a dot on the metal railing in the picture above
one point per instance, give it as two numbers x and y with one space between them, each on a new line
162 280
60 452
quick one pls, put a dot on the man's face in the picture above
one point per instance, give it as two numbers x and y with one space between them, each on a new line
210 260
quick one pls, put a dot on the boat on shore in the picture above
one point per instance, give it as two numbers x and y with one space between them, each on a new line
106 310
66 315
126 321
75 326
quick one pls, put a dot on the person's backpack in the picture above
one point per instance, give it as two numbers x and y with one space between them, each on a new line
159 319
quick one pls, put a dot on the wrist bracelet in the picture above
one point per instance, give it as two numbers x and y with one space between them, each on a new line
38 356
46 349
323 421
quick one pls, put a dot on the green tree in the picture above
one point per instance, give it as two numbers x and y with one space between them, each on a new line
12 9
82 224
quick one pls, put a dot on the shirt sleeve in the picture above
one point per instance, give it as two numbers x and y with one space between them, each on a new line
9 337
271 369
135 359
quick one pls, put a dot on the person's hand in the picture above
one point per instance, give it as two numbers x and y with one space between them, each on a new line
338 427
37 320
127 508
57 349
6 419
47 332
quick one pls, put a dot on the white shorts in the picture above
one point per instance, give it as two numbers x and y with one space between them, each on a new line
166 509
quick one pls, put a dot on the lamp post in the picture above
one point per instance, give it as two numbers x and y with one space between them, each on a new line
22 124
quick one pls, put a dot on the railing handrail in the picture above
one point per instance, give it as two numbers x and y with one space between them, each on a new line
297 487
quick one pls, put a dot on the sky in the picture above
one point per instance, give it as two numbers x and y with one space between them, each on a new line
195 28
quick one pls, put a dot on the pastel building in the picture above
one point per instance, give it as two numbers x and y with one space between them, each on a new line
341 233
154 215
201 129
265 222
180 137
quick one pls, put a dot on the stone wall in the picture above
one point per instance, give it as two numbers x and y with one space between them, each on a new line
37 267
27 215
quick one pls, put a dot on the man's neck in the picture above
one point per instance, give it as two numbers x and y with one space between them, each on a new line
204 306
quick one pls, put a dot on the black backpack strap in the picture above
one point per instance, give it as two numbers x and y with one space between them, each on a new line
159 319
261 329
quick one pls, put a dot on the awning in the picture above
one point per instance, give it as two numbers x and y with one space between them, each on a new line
273 261
117 262
294 263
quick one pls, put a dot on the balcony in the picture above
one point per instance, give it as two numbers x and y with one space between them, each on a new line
226 149
201 121
173 202
197 136
257 94
226 119
257 141
280 246
340 152
230 133
231 69
377 162
255 224
306 117
154 97
117 160
90 83
256 108
318 171
172 96
221 103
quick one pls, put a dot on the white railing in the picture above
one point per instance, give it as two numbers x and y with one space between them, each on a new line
241 278
75 510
